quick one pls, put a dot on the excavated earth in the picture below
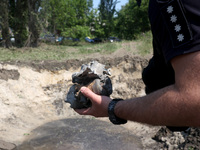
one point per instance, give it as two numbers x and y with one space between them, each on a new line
34 116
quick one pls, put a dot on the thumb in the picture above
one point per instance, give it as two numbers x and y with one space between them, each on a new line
89 94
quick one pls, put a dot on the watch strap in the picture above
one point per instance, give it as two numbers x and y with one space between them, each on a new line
112 117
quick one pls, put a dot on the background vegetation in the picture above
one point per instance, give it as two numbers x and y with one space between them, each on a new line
142 47
24 23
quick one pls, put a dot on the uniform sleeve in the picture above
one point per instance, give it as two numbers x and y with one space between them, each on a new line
176 25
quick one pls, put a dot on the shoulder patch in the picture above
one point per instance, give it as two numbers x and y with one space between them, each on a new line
176 22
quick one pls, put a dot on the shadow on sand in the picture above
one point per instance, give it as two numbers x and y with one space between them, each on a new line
80 134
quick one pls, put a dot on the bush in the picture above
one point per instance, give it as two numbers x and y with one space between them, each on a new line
76 32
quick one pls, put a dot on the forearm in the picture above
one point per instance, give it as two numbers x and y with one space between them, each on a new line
175 105
167 106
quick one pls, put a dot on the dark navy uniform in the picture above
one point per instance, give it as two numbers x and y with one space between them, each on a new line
175 26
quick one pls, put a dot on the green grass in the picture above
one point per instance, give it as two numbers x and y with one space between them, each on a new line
56 52
41 53
60 52
144 41
105 48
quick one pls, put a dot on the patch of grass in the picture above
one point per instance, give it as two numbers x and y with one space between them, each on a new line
56 52
104 48
128 47
63 52
44 52
26 134
144 41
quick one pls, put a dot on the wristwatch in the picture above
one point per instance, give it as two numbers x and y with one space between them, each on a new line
112 117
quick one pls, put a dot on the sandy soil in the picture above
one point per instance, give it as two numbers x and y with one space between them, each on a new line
34 114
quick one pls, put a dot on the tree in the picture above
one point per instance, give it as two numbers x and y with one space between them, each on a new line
33 23
96 26
57 15
89 6
132 20
4 23
18 20
107 9
80 7
63 15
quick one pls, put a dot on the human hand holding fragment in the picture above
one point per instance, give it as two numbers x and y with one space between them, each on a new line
99 106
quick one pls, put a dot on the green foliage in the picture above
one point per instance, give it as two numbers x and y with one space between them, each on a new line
89 6
19 20
76 19
96 25
132 20
4 24
107 11
64 14
76 32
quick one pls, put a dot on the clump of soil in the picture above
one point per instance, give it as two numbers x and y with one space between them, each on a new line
188 139
9 74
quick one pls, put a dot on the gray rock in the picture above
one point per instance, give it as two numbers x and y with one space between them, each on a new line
92 75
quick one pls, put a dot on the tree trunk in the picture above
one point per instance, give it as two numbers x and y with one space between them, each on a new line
33 24
20 22
5 24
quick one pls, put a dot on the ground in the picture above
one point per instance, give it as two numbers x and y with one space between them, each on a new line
33 110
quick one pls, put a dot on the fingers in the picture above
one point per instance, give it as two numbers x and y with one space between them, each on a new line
83 111
91 95
99 104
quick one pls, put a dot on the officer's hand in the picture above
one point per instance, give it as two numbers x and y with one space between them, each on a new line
99 106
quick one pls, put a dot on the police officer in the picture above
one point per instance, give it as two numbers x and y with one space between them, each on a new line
172 77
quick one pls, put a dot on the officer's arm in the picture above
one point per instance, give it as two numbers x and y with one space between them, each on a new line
175 105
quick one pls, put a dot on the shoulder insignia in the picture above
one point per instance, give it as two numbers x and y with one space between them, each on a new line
176 22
